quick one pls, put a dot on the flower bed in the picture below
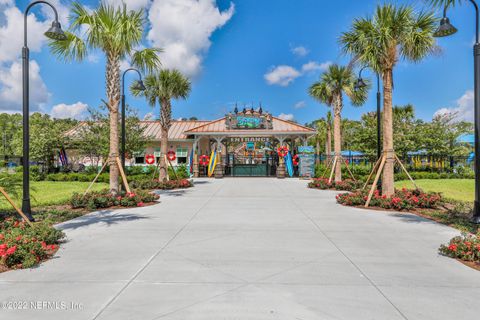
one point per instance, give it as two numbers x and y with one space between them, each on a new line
22 246
465 248
104 199
401 200
162 185
345 185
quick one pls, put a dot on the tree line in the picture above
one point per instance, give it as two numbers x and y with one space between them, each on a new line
433 138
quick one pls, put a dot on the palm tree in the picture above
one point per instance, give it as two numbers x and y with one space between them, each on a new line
335 82
116 32
163 86
328 146
393 33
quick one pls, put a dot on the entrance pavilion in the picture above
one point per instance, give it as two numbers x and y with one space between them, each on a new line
246 142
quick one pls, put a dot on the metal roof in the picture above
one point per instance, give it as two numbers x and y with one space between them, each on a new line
279 127
182 129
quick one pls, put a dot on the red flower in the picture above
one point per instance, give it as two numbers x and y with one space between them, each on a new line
3 246
15 224
452 247
11 250
119 198
140 204
18 238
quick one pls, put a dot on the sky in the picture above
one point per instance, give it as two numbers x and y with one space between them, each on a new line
244 52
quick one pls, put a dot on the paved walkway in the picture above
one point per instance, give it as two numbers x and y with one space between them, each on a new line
247 249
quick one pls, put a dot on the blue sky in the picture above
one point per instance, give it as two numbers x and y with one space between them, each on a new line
229 48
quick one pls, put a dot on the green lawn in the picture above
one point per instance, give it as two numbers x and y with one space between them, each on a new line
45 193
458 189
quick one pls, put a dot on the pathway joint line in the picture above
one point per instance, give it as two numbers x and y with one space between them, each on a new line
154 256
343 253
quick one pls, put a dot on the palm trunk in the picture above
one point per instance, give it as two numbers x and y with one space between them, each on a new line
163 150
165 121
113 94
388 187
337 136
328 148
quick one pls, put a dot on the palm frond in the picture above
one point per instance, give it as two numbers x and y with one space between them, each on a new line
147 59
71 49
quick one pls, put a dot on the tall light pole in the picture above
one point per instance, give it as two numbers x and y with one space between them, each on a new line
361 84
139 86
446 29
54 32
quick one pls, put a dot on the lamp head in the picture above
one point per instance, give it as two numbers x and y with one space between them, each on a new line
445 28
360 84
55 32
139 86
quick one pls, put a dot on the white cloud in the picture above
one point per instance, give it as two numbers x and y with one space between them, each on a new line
11 34
300 51
300 104
149 116
315 66
131 4
182 28
11 87
94 58
282 75
463 111
286 116
73 111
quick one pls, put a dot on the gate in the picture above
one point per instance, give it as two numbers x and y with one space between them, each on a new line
250 166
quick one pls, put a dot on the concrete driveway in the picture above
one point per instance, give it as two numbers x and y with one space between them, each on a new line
246 249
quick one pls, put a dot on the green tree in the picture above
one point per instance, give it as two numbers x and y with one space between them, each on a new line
393 33
162 87
116 32
91 138
333 84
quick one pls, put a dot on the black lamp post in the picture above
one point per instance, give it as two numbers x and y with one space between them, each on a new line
139 86
54 32
446 29
361 84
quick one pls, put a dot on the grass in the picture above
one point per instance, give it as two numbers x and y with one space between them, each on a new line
457 189
47 193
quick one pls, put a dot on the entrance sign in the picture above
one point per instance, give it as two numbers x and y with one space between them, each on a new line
249 139
306 156
248 120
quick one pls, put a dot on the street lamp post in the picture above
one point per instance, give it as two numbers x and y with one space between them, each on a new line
361 84
54 32
140 86
446 29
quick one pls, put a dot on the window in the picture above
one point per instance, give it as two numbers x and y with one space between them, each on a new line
139 157
182 154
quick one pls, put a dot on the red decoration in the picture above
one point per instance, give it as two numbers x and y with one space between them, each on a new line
282 151
150 159
204 160
171 155
296 160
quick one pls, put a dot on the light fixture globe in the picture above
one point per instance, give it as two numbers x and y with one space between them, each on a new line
445 29
360 84
139 86
55 32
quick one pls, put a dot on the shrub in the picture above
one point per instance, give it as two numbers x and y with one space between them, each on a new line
345 185
465 247
148 184
401 200
105 199
181 172
22 246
